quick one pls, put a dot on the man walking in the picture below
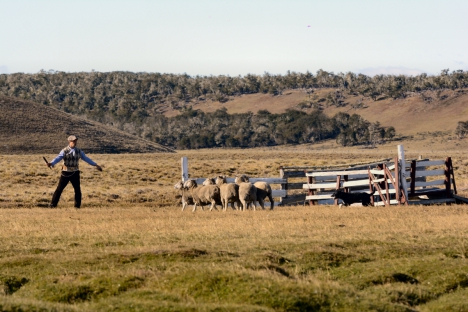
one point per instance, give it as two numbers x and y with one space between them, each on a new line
70 171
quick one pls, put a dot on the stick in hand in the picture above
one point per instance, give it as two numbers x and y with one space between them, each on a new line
46 162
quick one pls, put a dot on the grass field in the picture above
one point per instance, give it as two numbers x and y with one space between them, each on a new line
131 248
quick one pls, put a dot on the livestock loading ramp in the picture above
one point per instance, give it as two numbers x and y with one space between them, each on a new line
390 181
417 182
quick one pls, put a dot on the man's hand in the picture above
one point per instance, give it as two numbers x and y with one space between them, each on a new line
48 164
98 168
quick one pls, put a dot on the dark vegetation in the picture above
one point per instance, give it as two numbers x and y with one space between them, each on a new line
196 129
135 102
462 129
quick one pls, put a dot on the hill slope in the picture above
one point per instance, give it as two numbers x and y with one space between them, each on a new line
409 116
27 127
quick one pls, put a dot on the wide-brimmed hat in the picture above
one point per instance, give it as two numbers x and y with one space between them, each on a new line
72 138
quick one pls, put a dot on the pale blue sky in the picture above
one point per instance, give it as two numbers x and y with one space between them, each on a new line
223 37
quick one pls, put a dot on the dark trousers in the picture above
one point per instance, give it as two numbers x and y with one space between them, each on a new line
74 178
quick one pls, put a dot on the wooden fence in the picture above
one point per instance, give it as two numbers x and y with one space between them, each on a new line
428 182
438 185
296 176
390 181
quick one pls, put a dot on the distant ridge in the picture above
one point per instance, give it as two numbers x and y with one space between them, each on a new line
27 127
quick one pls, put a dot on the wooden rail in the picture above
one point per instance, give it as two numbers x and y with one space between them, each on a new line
446 185
383 183
380 179
295 190
351 181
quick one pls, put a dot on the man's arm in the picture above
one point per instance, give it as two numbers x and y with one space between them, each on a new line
57 159
89 161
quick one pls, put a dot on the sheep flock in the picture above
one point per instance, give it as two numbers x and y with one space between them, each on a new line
241 194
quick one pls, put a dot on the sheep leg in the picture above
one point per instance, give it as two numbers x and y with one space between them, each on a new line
253 205
184 199
262 203
213 205
271 201
244 205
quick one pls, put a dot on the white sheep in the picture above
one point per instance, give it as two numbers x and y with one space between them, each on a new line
247 192
203 195
209 181
229 193
263 191
187 198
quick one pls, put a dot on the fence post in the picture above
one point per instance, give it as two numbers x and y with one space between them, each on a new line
413 177
453 175
184 166
338 186
447 177
402 171
384 168
371 186
310 192
397 181
283 186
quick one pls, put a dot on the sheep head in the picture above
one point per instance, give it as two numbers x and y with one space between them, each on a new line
179 185
190 184
241 178
220 180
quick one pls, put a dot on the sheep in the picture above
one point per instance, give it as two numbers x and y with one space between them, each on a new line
209 181
247 192
203 195
263 191
187 198
241 178
212 181
229 193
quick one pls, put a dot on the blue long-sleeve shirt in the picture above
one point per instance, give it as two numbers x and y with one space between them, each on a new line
82 154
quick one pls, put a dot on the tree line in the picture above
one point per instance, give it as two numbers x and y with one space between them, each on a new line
196 129
127 92
134 101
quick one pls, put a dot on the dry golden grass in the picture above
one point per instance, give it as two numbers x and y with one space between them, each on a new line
25 181
131 248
